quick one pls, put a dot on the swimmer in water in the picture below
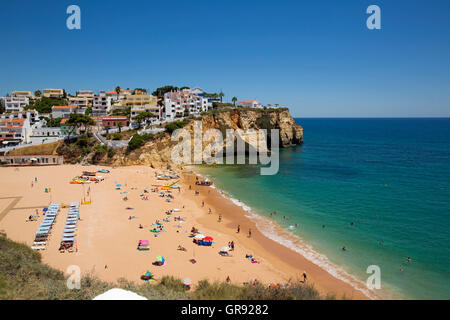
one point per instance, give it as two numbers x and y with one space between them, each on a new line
344 249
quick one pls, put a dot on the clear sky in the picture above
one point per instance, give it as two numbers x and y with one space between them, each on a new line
317 57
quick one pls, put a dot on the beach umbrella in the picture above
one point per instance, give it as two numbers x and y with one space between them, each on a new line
225 249
208 239
160 258
118 185
199 236
186 281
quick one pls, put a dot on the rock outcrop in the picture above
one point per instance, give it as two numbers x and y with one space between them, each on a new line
157 153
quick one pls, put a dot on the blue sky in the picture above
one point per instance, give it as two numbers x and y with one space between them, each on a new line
317 57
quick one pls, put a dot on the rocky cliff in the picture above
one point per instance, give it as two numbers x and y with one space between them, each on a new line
157 153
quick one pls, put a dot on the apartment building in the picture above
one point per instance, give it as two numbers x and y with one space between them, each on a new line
31 115
101 105
27 94
82 103
14 131
140 103
179 104
53 93
14 103
63 111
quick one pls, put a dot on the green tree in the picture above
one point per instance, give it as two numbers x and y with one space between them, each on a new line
143 117
77 121
221 95
234 99
38 93
159 92
44 105
118 90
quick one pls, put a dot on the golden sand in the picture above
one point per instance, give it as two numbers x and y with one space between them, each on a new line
107 239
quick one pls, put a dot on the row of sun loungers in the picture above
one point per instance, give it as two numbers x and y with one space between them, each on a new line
44 230
69 233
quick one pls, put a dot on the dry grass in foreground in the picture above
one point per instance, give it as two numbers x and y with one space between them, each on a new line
42 149
24 276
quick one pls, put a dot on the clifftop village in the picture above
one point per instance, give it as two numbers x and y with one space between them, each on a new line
28 118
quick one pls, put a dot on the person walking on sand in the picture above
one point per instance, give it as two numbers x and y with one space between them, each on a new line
203 203
238 228
209 211
249 233
304 277
220 218
228 279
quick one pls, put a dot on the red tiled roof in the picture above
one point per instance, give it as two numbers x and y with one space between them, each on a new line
63 107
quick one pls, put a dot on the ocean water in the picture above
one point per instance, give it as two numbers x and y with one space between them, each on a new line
390 177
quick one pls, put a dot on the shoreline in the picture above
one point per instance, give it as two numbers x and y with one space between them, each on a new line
107 239
292 262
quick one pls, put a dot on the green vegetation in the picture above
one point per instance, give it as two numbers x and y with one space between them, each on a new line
159 92
38 93
75 150
218 105
126 111
53 122
143 117
171 127
234 99
80 121
44 104
138 141
24 276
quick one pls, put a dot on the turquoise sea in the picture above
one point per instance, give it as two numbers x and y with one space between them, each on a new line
389 177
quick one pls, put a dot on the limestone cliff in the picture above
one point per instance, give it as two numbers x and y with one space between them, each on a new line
157 153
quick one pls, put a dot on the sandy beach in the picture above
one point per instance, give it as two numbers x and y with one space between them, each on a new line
107 238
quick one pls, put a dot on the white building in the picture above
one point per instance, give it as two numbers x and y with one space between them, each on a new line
63 111
82 103
14 131
53 93
102 105
47 132
179 104
31 115
24 93
249 104
15 103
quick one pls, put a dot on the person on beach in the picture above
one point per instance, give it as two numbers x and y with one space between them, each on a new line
238 228
209 211
203 203
220 218
228 279
249 233
232 245
304 277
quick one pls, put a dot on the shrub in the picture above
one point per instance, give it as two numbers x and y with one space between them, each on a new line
171 127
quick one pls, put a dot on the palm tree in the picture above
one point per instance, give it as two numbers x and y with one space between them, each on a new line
234 99
118 91
38 93
221 95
